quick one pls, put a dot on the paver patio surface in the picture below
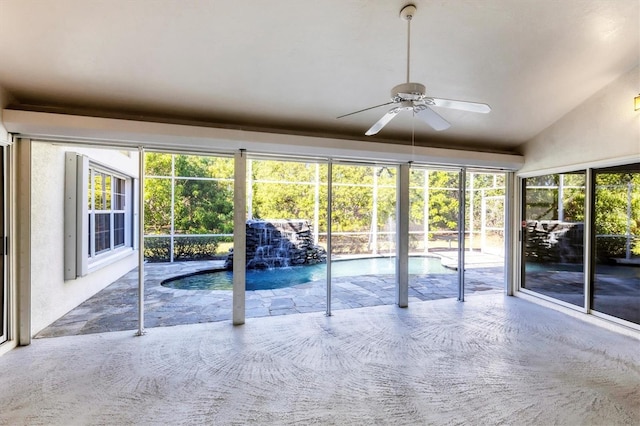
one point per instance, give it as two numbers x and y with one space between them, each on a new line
115 308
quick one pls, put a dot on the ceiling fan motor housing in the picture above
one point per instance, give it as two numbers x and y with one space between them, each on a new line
407 12
408 92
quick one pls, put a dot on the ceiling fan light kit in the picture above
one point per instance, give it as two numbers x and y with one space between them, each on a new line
413 97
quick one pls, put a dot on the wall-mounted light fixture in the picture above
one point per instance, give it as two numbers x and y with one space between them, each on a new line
636 103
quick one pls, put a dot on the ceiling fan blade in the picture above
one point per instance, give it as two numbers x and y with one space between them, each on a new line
366 109
383 121
431 117
461 105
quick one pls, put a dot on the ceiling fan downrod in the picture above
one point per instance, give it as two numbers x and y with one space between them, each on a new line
407 14
413 96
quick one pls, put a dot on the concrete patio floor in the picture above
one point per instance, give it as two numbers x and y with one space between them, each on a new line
115 308
493 360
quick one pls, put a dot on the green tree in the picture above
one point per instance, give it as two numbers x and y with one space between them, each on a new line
157 206
202 206
283 190
617 212
443 200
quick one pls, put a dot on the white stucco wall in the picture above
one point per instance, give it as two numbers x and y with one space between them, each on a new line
51 295
604 127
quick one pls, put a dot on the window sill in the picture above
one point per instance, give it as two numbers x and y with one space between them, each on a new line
115 256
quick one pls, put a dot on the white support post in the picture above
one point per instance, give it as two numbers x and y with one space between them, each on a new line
426 211
173 206
483 222
561 198
511 227
239 236
140 331
249 189
402 236
374 214
316 207
461 231
329 233
472 224
628 229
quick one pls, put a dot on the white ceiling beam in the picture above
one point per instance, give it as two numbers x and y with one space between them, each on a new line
153 135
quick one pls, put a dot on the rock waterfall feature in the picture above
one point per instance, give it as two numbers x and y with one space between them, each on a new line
280 243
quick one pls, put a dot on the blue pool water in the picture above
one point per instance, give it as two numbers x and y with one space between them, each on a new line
286 277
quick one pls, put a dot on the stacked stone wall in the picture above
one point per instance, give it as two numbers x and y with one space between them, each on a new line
280 243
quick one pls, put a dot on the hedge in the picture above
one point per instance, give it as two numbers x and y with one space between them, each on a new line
156 249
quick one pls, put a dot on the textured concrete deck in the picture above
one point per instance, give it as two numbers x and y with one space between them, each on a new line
491 360
115 308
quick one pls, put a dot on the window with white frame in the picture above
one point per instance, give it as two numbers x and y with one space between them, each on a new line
99 213
106 211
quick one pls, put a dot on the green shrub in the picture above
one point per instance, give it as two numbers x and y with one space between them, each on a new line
611 247
157 249
194 248
184 248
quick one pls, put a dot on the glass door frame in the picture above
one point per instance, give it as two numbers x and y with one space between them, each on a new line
4 288
461 229
589 240
520 247
507 217
591 265
249 157
401 264
331 162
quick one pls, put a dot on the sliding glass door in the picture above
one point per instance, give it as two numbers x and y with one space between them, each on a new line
552 236
556 229
616 278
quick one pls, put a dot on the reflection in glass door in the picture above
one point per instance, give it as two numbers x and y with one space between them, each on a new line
552 236
616 279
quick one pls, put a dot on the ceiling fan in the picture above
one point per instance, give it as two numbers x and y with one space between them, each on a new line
413 97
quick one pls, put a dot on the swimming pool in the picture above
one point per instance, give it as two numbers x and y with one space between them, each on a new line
269 279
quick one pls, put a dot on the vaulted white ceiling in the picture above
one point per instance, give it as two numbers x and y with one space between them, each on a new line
293 66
